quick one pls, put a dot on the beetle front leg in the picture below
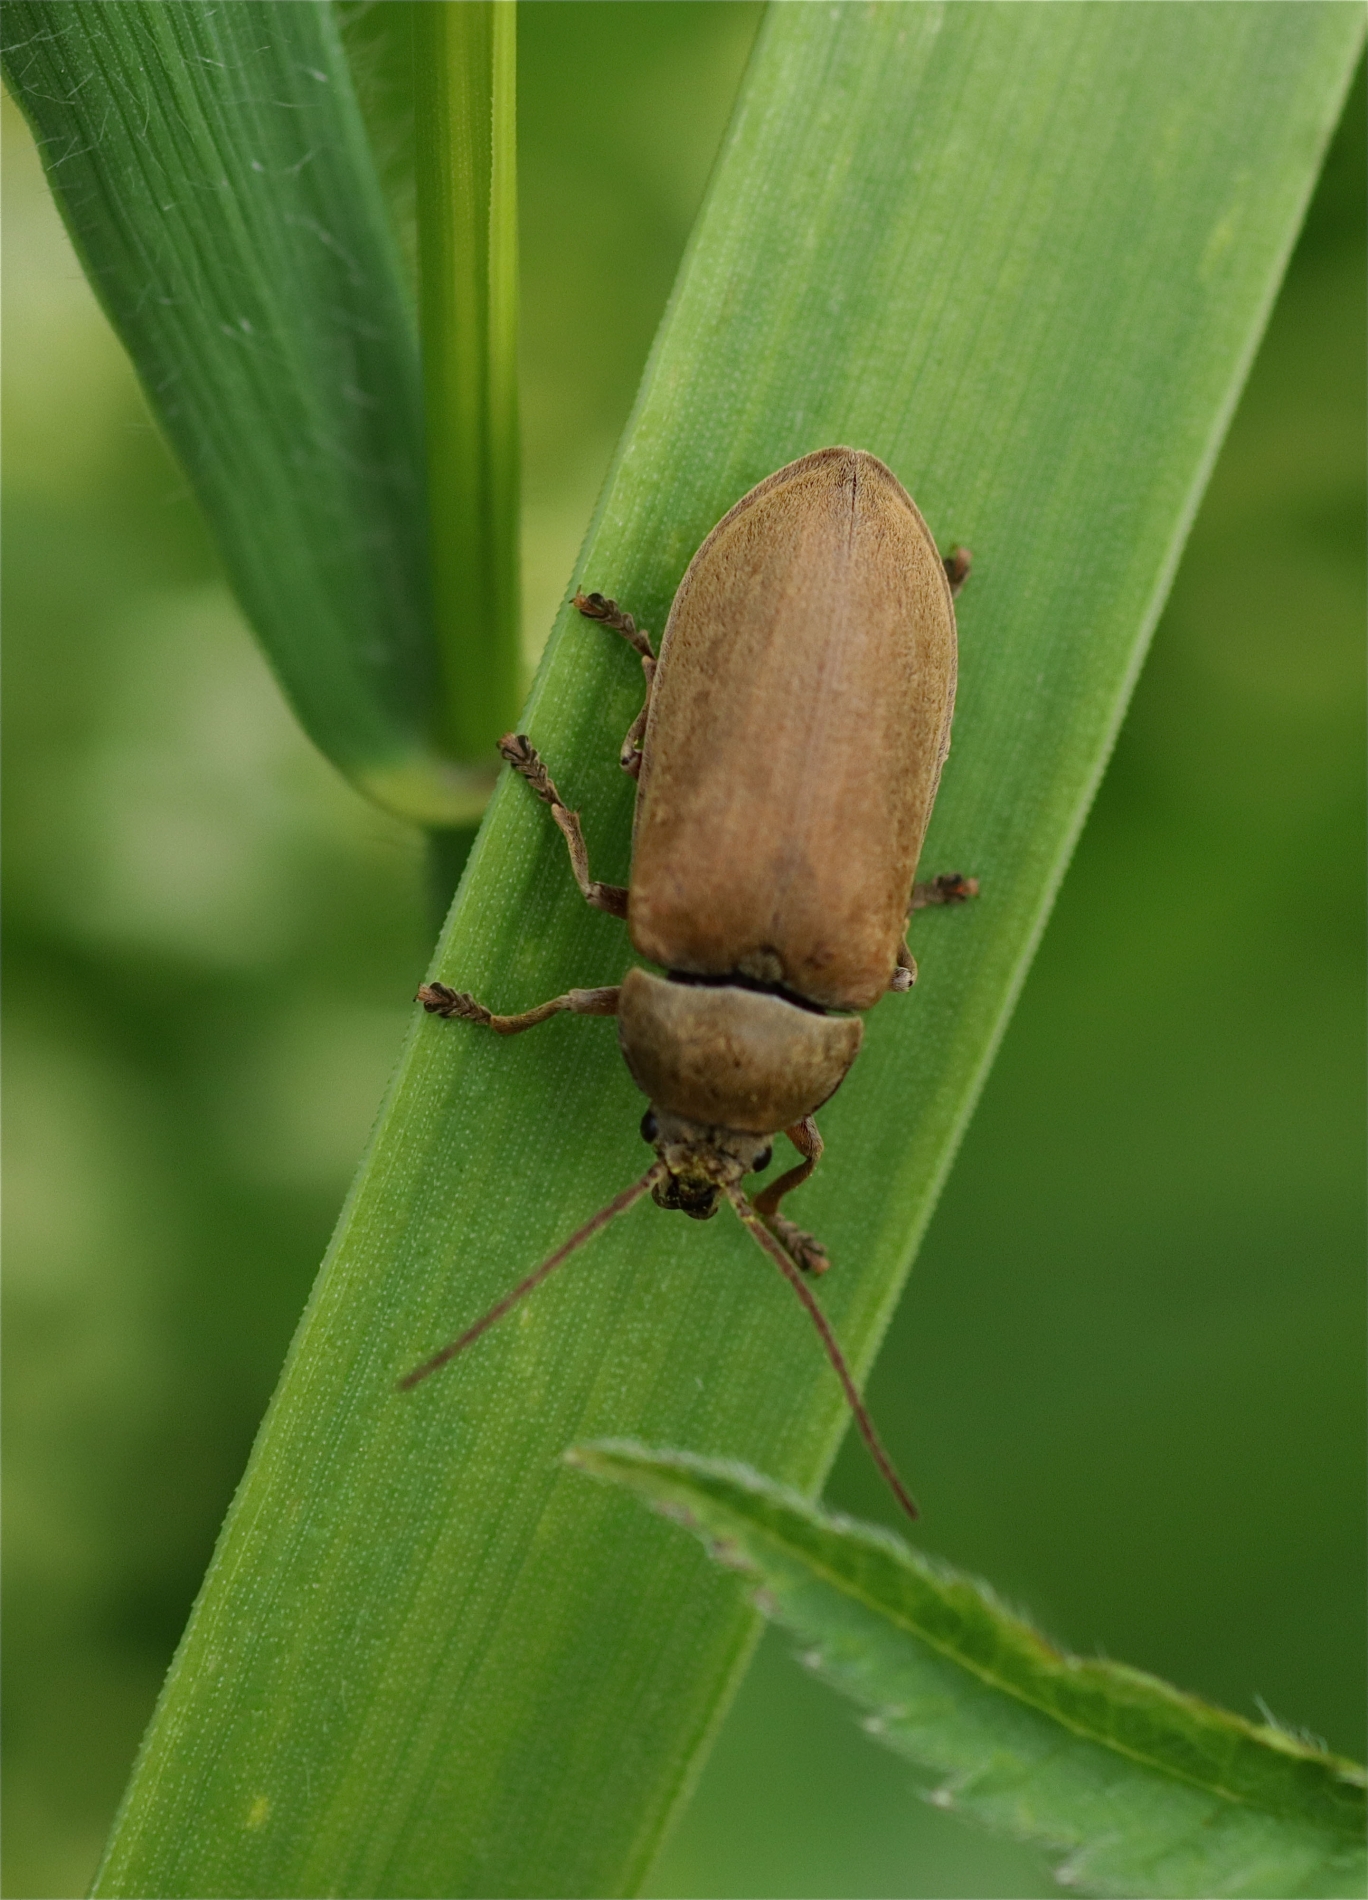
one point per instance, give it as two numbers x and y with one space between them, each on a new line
525 759
609 614
438 1000
810 1254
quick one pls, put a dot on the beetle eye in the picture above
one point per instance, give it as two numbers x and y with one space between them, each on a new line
762 1161
650 1127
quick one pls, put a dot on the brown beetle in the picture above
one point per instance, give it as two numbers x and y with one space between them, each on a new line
787 757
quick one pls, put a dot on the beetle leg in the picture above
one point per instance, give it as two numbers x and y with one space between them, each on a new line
438 1000
595 607
957 564
950 888
630 756
523 756
808 1142
904 970
809 1253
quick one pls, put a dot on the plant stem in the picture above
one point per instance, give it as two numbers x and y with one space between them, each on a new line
465 79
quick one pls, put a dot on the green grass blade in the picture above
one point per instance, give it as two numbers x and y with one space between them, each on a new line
212 168
465 67
1148 1790
378 36
1023 253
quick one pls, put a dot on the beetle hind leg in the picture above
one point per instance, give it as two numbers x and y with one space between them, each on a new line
609 614
525 759
810 1254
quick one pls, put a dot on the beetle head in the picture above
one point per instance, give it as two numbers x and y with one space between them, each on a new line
703 1161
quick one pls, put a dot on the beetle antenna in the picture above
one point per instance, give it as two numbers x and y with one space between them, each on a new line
520 1292
833 1351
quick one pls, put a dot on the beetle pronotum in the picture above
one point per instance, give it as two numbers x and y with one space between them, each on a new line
786 758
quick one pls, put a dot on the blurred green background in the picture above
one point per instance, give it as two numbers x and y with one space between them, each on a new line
1127 1380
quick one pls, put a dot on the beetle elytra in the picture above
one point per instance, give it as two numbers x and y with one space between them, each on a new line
786 757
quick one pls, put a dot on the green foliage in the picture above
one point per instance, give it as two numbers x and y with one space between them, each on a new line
1150 1791
1127 1376
768 1367
422 1661
213 171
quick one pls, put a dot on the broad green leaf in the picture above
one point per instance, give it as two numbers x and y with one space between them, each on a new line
1024 254
465 69
1148 1790
212 169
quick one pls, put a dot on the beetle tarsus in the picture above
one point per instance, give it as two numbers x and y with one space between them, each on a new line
957 564
438 1000
952 887
801 1247
596 607
518 750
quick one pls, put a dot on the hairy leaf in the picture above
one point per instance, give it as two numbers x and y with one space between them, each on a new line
1150 1791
